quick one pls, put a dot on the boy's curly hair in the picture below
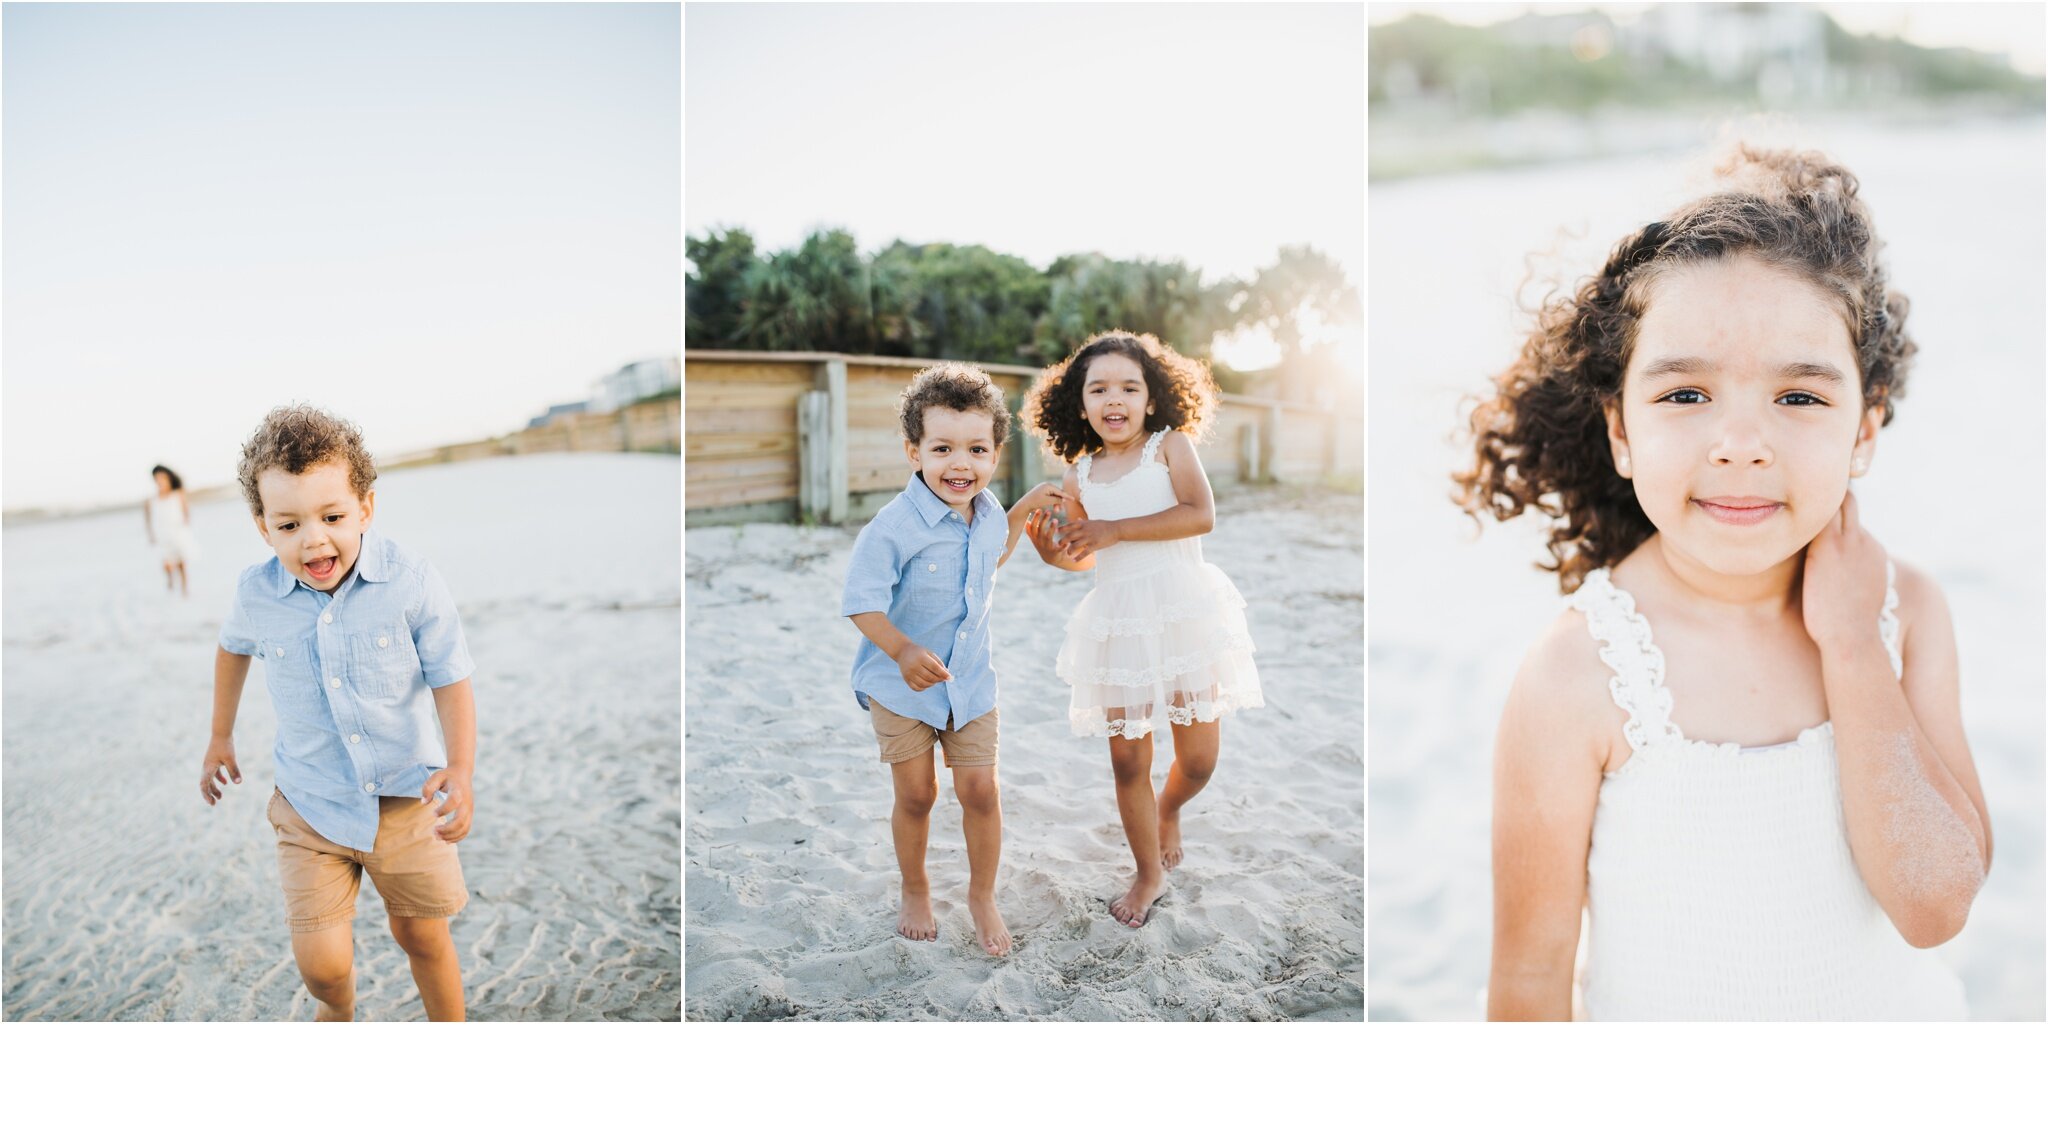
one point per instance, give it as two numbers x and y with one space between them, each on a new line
1181 389
296 438
1541 440
953 386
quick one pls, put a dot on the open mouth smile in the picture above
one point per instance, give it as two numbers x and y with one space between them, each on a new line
322 569
959 486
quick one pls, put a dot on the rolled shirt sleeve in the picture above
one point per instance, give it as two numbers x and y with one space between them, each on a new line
238 633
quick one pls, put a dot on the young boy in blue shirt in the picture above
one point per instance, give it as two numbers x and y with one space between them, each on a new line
355 632
918 588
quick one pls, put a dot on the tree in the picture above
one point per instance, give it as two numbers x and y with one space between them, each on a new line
812 298
715 289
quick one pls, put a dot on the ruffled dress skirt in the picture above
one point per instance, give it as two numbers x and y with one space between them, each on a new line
1161 639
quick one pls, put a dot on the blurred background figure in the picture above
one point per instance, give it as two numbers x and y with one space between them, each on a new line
168 519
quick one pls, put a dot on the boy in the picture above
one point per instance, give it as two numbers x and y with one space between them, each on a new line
918 589
354 630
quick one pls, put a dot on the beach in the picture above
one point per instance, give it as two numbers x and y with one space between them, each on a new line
1952 490
790 875
127 897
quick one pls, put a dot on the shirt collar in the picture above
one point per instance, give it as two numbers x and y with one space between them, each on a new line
370 564
934 509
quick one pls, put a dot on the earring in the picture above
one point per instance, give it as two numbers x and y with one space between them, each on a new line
1857 466
1621 463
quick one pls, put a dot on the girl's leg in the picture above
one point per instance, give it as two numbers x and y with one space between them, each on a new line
1194 758
435 967
917 789
184 590
170 579
981 817
1131 762
327 963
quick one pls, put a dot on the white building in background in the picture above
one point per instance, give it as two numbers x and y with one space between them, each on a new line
633 382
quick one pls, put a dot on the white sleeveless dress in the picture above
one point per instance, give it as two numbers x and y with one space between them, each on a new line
1720 883
173 534
1162 636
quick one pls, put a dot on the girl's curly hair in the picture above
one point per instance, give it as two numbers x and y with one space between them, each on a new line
1181 389
1541 440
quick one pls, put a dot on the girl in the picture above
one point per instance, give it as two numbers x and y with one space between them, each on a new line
167 515
1766 804
1161 639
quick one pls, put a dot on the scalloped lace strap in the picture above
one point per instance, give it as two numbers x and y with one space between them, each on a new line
1888 620
1151 447
1625 646
1081 468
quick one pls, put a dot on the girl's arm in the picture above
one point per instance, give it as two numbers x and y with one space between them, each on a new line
1194 514
184 507
1914 809
1547 761
148 524
1039 498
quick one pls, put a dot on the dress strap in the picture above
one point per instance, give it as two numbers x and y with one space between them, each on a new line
1081 468
1151 447
1625 646
1888 620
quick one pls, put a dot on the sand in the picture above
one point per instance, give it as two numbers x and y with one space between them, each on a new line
1451 614
790 877
127 897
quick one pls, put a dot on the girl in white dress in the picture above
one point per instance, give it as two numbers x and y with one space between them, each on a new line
1767 810
168 520
1161 640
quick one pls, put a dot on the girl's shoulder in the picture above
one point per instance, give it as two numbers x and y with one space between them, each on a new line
1561 705
1923 608
1173 444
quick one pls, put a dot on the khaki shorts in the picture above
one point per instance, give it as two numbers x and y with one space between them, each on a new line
415 872
903 738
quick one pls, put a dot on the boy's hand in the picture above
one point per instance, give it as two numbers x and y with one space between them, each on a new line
1083 537
218 769
921 668
1041 496
456 808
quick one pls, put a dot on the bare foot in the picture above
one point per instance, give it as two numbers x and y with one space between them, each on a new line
915 919
1135 907
1169 839
988 925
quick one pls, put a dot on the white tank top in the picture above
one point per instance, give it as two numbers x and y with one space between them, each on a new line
1720 883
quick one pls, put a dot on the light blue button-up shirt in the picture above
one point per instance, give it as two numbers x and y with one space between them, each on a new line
351 675
922 564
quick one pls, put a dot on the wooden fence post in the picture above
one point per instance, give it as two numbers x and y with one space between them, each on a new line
813 455
1248 446
1271 459
834 500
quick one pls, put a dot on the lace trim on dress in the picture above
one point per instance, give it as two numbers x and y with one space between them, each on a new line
1888 620
1625 646
1082 466
1095 722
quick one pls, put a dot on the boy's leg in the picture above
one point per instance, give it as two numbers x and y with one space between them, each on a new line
910 822
981 818
1194 759
435 967
327 963
1131 762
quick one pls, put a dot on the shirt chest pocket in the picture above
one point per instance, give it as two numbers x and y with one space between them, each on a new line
382 663
935 580
289 669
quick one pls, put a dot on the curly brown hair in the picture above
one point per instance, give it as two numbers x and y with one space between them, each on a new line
1182 390
1541 440
296 438
953 386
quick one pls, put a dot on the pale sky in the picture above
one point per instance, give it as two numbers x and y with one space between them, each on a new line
2019 31
1210 133
436 220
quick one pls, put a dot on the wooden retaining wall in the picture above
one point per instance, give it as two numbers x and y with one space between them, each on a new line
776 436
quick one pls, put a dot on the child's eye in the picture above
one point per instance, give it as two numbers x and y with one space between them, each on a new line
1684 396
286 526
1803 399
336 518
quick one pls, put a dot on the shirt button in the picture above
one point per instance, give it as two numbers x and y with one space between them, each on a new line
354 738
931 567
334 683
383 641
280 651
371 787
327 618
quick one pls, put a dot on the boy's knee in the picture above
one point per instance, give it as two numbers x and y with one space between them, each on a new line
422 936
917 801
326 974
977 790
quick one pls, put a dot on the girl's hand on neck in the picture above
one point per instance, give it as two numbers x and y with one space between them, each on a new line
1843 590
